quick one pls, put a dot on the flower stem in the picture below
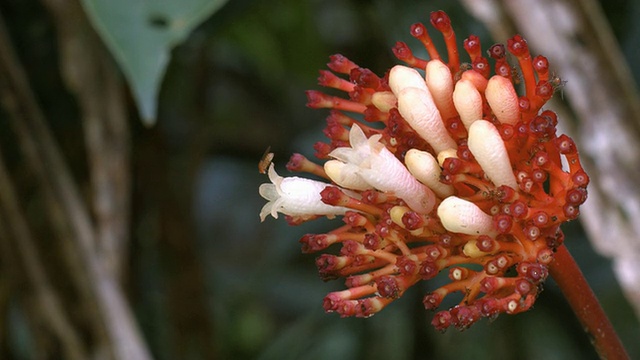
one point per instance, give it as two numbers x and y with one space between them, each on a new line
574 286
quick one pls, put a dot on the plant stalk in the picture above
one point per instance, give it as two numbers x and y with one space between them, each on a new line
574 286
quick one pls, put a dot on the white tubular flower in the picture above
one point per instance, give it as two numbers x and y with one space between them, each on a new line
462 216
382 170
468 102
345 175
426 169
294 196
402 77
417 107
503 99
487 146
440 83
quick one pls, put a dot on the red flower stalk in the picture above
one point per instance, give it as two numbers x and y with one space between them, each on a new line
459 174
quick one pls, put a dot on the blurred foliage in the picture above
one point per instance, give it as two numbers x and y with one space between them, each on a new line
232 88
141 35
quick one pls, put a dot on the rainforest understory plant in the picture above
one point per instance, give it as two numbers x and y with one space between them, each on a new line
441 166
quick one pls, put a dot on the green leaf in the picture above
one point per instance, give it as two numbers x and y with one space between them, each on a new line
141 34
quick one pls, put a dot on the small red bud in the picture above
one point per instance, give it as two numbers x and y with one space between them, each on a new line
340 64
524 104
406 266
502 223
372 241
442 320
540 218
517 45
365 78
428 270
496 51
412 220
565 144
351 247
440 20
544 89
432 301
485 243
576 196
472 46
523 287
388 287
541 65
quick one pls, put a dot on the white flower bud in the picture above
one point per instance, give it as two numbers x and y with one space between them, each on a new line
503 100
440 83
417 107
401 77
425 168
462 216
487 146
468 102
478 81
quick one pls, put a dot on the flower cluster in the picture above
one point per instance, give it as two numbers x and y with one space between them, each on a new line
458 173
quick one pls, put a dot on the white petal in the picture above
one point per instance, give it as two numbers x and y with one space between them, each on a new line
360 148
266 211
268 191
345 175
273 175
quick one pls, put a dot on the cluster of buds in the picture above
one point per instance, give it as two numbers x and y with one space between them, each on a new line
451 170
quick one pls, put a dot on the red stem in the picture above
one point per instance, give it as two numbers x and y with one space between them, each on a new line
574 286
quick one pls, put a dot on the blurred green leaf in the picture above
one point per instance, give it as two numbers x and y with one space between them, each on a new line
141 34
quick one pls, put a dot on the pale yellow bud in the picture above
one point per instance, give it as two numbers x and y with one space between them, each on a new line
462 216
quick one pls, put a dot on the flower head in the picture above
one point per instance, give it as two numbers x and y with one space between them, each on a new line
463 175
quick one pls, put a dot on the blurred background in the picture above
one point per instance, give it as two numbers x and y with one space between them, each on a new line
123 238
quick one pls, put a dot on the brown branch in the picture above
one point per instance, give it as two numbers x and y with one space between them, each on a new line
50 306
112 317
20 104
90 73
